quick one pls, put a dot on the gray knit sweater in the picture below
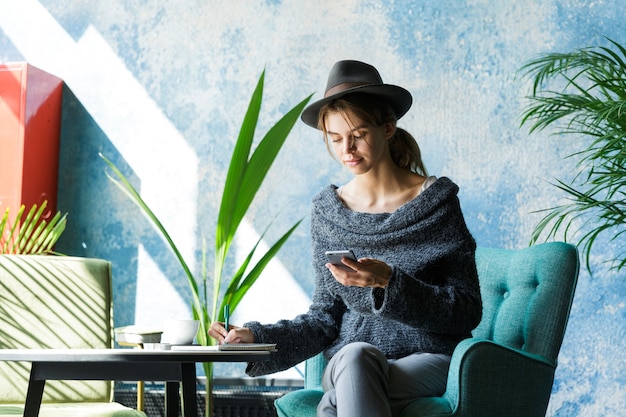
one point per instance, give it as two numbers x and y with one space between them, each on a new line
431 303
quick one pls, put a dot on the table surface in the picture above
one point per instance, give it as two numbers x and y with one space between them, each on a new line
129 355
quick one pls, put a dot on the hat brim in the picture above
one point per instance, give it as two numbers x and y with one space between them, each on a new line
398 98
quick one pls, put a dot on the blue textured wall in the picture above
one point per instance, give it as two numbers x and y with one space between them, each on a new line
160 87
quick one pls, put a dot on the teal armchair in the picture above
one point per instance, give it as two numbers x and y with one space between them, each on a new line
507 367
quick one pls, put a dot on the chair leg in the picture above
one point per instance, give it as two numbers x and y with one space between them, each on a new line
140 391
140 384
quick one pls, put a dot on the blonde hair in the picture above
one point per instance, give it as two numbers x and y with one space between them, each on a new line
403 147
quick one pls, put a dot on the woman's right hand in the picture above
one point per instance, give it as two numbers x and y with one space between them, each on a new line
367 272
234 335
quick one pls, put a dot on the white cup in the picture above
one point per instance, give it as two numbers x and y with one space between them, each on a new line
180 332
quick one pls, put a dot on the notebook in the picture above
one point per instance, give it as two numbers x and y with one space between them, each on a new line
248 346
271 347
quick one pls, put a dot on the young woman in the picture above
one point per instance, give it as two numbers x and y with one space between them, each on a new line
388 323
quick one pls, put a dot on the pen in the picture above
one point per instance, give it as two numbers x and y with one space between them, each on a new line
227 317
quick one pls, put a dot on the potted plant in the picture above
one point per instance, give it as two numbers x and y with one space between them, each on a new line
583 95
244 178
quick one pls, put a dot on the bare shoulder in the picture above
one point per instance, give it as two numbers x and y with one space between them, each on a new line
426 182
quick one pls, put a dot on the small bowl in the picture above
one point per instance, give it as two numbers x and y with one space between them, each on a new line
180 332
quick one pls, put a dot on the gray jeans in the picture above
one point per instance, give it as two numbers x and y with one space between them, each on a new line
359 381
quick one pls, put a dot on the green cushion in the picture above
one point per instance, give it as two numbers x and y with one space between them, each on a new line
301 403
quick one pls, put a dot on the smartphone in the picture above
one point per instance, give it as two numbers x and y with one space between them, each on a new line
335 256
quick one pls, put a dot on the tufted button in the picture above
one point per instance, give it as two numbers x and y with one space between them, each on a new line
505 294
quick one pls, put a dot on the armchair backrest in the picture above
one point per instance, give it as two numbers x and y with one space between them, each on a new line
527 295
54 302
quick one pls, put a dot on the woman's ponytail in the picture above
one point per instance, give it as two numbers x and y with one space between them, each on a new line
405 152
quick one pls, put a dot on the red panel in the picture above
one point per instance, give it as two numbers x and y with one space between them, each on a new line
30 121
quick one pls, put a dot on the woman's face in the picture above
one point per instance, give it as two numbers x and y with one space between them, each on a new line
359 146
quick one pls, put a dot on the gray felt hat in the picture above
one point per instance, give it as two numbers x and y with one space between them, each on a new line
348 77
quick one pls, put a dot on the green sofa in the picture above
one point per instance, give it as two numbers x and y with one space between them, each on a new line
56 302
507 368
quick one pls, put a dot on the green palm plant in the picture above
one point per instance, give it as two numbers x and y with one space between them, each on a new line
32 235
244 178
589 103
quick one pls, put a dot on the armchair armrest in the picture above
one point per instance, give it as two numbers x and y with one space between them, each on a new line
489 379
303 403
314 370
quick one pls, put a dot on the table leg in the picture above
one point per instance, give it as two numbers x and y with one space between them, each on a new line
34 394
171 399
188 382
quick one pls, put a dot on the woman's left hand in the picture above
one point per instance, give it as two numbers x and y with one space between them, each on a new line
367 272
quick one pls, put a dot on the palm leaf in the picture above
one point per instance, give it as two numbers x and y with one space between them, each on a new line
245 176
124 184
226 225
32 235
8 236
263 158
51 233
